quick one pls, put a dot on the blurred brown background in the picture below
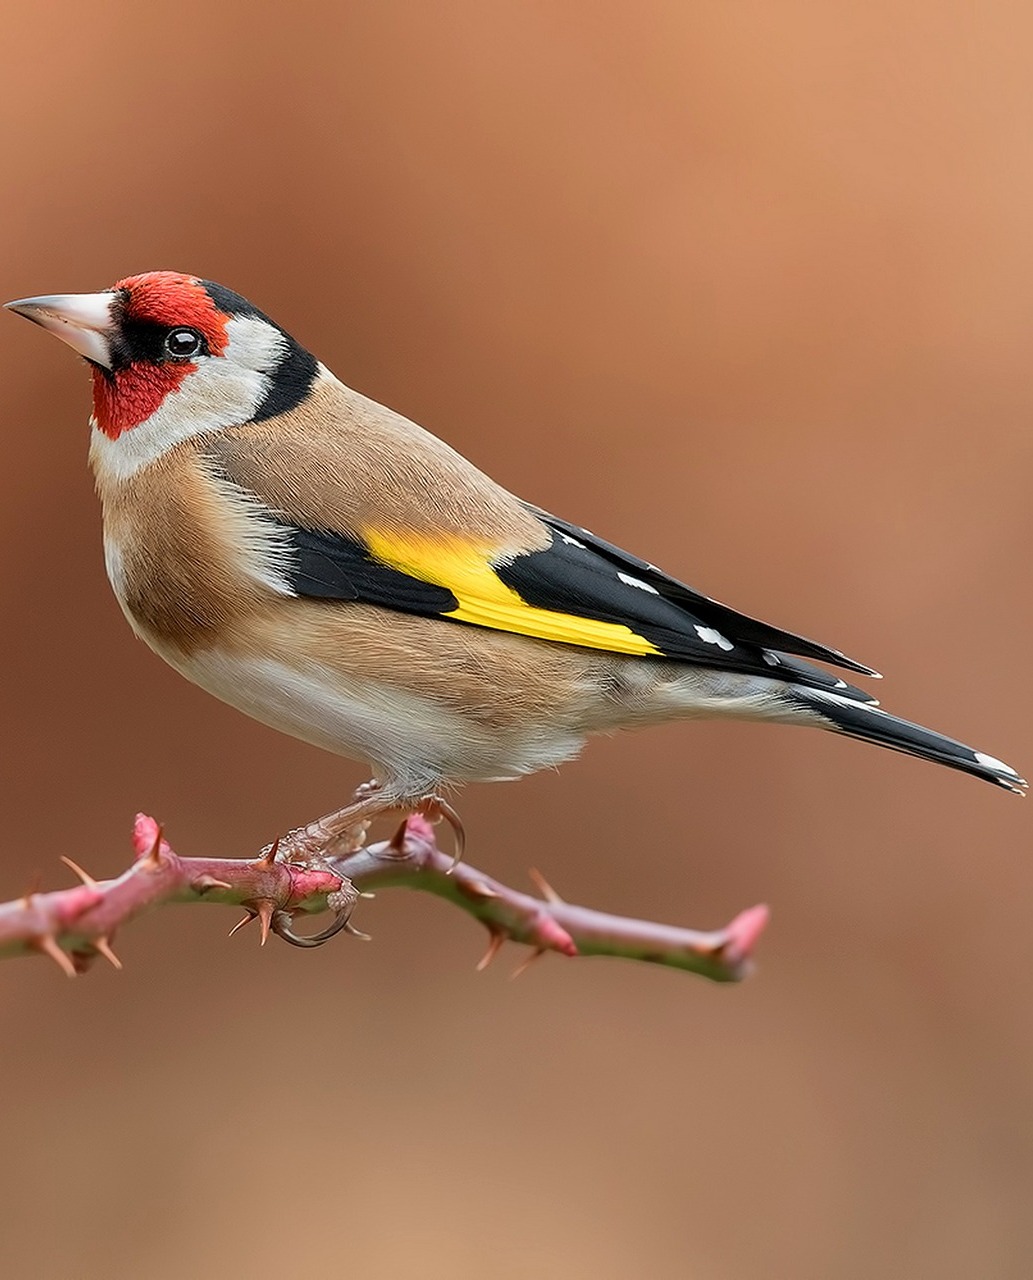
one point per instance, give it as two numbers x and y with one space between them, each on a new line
745 287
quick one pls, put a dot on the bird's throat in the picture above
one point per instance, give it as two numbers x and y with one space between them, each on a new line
124 399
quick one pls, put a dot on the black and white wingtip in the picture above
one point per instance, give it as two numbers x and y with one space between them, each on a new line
851 664
871 724
1004 775
789 668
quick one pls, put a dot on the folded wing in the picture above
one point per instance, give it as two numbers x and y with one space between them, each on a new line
370 508
567 592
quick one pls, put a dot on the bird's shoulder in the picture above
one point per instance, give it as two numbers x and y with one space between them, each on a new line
343 463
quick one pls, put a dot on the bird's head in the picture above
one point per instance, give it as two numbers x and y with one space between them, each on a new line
176 355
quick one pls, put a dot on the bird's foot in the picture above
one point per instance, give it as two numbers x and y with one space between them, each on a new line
341 903
309 848
434 808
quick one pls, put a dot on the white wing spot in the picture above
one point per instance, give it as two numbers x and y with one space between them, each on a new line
629 581
837 699
571 542
710 636
772 659
991 762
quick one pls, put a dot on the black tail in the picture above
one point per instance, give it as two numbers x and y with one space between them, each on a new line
871 724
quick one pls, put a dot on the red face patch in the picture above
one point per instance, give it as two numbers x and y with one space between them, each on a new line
127 398
132 395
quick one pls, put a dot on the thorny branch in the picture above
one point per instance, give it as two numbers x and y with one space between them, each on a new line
73 926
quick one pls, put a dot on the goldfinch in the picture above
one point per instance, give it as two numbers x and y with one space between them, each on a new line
330 568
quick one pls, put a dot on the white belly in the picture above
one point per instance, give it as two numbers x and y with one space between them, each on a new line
413 744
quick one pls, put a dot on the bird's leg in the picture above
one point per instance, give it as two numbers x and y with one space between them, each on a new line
347 827
336 834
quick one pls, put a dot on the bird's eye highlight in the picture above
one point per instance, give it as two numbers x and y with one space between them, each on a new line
181 344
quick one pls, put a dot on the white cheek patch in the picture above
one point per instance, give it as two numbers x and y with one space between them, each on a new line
223 391
254 344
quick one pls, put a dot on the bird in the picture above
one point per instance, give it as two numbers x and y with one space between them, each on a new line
332 569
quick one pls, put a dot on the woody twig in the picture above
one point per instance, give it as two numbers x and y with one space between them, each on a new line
76 925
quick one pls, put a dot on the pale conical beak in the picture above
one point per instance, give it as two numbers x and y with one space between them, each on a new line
86 321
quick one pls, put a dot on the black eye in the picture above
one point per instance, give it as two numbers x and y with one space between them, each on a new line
181 344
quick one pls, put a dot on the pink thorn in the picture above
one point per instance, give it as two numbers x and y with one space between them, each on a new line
145 832
547 933
526 964
745 929
495 941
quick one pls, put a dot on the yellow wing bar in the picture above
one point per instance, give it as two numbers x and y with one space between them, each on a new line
465 569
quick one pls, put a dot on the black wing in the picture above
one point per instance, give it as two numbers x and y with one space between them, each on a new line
577 577
736 626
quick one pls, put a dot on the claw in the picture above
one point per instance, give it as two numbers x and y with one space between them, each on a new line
283 920
435 807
